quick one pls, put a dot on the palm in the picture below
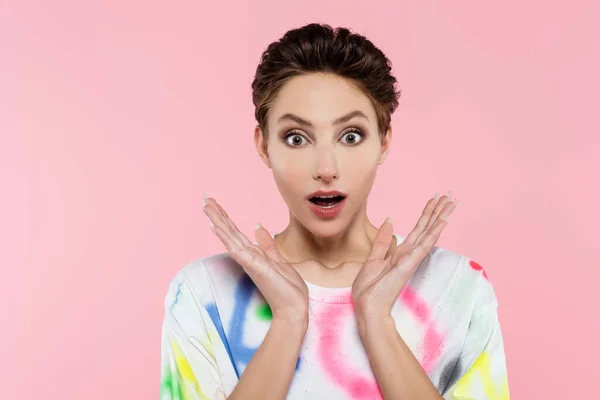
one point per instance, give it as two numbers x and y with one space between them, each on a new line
382 277
280 284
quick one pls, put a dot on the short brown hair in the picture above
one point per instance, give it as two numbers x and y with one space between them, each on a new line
320 48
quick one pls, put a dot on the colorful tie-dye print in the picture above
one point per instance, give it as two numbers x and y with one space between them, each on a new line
215 320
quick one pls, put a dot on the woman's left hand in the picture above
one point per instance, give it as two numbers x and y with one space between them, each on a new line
382 277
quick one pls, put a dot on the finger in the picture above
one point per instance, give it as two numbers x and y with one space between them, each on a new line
252 262
217 220
426 240
443 215
220 210
382 240
422 222
233 226
224 236
431 238
439 207
398 271
405 254
267 244
227 221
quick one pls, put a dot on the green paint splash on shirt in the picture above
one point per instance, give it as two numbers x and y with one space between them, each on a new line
264 312
170 387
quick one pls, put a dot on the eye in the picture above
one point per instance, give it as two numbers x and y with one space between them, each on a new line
354 136
294 139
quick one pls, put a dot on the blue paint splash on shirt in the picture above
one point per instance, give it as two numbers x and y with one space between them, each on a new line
177 295
216 319
239 353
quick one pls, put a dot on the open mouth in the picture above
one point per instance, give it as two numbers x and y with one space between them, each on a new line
326 201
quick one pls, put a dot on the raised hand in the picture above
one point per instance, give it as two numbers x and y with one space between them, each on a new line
275 278
381 279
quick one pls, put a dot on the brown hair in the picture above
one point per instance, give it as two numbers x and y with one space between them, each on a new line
320 48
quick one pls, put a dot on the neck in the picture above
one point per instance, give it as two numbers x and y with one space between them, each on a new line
297 244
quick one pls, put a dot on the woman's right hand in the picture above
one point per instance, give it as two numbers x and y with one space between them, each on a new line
280 284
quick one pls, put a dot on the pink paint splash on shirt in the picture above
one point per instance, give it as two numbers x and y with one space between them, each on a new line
433 340
330 348
478 267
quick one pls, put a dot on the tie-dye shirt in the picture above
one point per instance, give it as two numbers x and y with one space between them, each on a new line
215 319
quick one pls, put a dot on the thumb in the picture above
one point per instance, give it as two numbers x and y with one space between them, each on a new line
382 241
266 243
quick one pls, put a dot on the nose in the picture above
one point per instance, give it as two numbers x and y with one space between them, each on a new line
326 168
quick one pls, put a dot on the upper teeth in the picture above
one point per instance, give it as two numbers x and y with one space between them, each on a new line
328 197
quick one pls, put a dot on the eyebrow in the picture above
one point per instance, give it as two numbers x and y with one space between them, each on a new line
337 121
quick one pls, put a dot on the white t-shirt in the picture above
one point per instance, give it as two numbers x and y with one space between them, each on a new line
215 319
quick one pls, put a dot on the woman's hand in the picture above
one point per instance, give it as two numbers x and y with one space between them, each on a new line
277 280
381 279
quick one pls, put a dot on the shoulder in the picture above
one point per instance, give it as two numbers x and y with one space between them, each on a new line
198 279
446 276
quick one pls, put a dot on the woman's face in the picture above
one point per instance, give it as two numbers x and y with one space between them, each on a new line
323 137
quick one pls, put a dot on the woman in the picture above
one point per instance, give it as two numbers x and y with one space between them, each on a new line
333 307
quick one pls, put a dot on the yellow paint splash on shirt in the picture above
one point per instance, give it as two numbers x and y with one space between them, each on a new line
481 371
187 375
206 342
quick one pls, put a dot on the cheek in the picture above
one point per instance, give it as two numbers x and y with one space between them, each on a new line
290 168
360 165
359 174
360 179
290 175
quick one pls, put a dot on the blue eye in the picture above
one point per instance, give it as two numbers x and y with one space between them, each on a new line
354 135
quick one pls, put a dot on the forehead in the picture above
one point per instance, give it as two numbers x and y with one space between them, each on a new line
320 98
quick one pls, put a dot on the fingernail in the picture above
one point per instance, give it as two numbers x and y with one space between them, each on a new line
436 195
389 220
212 226
450 195
204 199
257 227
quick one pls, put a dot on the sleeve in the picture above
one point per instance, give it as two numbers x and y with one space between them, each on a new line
189 369
481 369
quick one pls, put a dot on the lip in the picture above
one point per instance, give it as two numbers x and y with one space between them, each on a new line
327 193
327 213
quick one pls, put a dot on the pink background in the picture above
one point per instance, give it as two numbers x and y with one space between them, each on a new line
115 117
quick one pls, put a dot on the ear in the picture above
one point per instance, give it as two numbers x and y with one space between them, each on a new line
261 146
386 144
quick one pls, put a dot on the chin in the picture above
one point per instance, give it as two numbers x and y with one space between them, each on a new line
323 228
